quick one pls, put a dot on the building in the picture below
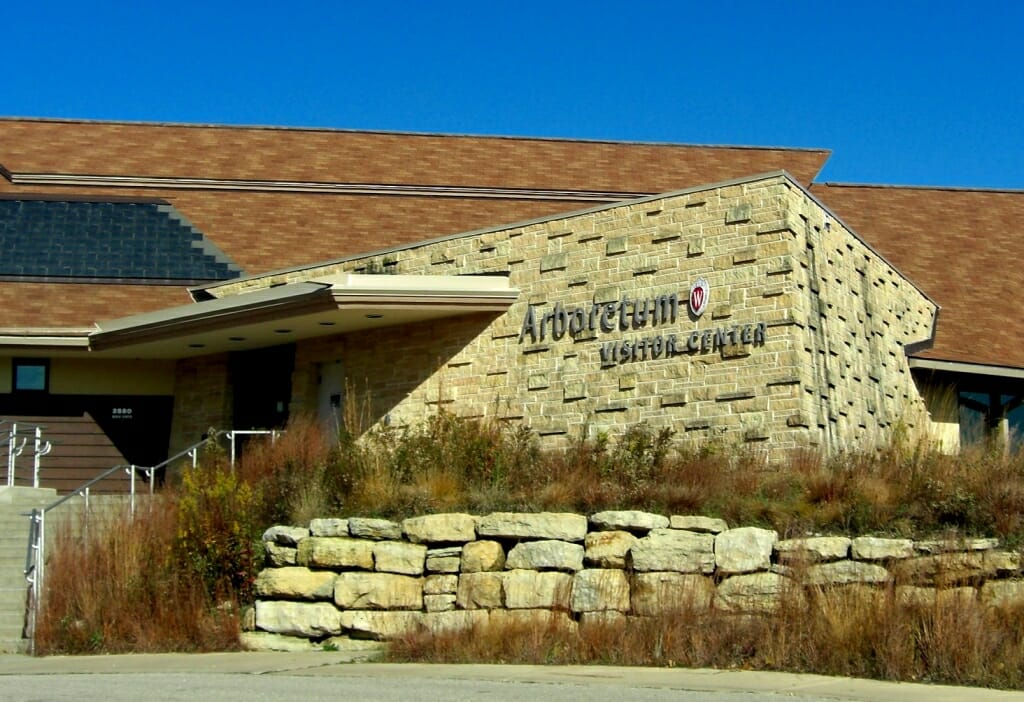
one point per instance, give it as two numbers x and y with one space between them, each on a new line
163 279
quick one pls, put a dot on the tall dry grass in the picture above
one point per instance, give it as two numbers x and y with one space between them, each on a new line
481 465
120 588
837 632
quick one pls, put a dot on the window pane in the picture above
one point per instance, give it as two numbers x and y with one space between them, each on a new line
30 377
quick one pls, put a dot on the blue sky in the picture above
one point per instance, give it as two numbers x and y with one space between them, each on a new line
901 92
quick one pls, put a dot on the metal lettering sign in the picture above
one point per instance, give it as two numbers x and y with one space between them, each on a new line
605 317
627 314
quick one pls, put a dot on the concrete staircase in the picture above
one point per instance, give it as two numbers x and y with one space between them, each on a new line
14 501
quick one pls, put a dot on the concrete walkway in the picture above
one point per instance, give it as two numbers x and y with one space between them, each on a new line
23 673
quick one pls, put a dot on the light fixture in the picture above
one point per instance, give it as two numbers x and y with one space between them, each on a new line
374 316
326 324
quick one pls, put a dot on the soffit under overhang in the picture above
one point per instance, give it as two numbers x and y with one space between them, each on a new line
299 311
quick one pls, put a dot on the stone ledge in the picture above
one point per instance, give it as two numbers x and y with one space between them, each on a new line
530 567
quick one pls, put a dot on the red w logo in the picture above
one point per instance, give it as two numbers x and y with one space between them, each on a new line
697 299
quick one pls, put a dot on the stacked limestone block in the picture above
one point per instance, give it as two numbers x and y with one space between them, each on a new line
356 579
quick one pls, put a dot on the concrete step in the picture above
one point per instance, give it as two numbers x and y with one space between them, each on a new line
11 636
26 493
14 531
11 642
13 645
8 551
26 502
14 527
11 581
11 622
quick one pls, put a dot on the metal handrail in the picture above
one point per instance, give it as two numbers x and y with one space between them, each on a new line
274 433
15 449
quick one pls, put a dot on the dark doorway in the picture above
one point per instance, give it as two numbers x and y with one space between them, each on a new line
262 386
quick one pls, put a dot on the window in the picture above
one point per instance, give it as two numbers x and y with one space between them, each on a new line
31 375
987 415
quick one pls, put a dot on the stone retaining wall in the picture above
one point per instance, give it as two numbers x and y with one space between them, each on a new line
357 578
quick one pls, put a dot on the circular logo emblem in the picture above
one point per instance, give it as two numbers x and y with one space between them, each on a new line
699 293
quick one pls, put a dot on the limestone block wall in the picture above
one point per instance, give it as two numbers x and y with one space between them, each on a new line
857 316
801 341
376 579
202 399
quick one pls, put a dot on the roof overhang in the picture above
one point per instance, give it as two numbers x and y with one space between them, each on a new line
967 368
302 310
49 341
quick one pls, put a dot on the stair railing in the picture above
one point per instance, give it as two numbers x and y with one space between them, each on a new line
234 434
16 442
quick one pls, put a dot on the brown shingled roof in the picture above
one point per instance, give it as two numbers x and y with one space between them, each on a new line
258 212
964 248
79 305
322 155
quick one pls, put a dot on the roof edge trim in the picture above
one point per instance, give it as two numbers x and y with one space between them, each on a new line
310 187
967 368
199 292
386 132
39 339
942 188
79 197
452 293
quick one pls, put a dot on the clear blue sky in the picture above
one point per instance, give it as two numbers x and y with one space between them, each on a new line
902 92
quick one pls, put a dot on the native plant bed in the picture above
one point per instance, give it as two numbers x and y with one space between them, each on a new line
840 632
449 464
179 575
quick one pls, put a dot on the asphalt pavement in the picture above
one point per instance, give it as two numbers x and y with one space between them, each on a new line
326 675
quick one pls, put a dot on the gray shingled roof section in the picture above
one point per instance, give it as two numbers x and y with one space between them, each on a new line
202 243
125 241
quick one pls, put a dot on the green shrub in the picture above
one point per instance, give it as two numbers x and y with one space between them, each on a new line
217 537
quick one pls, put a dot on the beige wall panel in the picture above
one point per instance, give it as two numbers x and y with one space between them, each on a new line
5 374
74 376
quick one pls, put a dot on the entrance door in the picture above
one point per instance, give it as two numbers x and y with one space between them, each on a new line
331 398
261 380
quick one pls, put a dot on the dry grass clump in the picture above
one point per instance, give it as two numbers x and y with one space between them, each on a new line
838 632
480 465
120 588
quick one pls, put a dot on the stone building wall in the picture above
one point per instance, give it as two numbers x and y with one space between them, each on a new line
817 324
377 579
802 341
857 314
202 399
